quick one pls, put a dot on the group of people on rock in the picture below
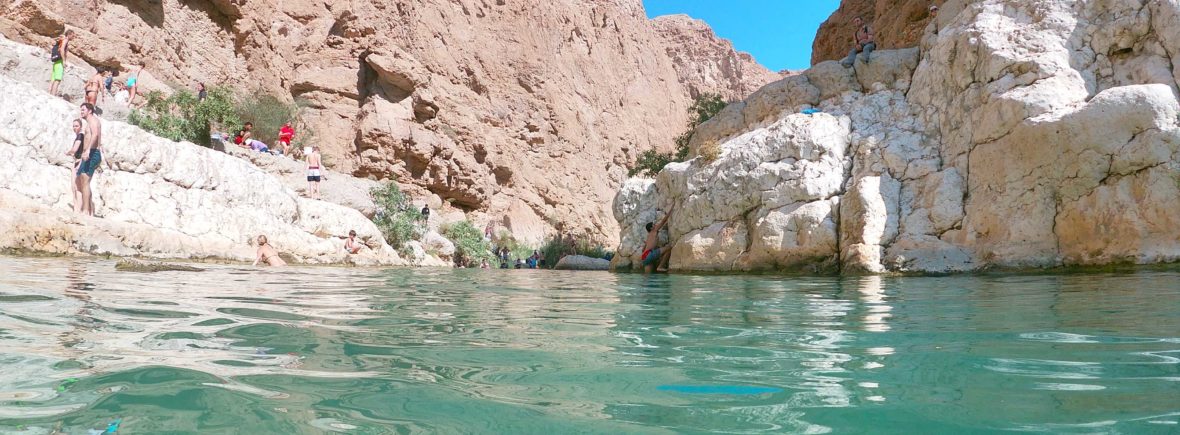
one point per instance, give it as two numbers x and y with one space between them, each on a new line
268 255
245 138
100 85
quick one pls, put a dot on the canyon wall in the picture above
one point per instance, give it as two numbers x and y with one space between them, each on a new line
520 112
1019 134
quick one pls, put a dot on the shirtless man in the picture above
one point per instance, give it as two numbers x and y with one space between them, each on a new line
313 173
91 158
656 259
94 88
267 254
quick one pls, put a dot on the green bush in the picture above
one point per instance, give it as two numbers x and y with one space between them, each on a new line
651 162
268 114
470 247
398 221
182 117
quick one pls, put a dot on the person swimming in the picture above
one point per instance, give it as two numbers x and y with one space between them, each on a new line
267 254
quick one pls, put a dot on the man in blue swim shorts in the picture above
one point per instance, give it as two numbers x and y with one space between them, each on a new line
91 158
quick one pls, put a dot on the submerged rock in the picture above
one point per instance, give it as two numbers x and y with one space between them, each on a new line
1049 140
129 265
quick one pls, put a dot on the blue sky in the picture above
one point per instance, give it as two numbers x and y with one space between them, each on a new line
777 32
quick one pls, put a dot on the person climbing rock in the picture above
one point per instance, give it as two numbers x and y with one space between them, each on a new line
91 158
267 254
57 55
863 42
655 259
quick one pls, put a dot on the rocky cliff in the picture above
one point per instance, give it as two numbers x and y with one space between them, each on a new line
524 112
1021 133
897 23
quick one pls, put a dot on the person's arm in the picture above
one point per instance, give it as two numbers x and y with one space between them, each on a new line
665 219
65 43
74 148
258 258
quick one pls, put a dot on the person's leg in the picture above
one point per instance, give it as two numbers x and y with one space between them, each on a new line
75 187
869 50
851 59
84 186
665 255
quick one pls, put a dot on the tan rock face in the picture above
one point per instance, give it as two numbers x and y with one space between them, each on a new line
489 105
897 24
707 64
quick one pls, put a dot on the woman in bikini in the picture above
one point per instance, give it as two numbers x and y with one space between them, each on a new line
267 254
94 88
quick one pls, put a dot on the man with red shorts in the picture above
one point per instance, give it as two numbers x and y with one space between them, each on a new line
656 258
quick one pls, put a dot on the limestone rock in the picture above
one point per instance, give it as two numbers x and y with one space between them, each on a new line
1049 140
581 262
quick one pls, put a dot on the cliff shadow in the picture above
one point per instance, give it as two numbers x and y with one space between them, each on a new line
150 11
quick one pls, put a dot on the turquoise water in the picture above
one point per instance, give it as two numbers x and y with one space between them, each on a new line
234 350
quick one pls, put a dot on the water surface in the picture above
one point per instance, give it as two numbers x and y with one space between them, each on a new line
239 350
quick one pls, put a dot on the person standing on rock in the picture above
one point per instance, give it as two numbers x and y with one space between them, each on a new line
863 42
57 55
133 86
94 88
267 254
91 158
313 172
655 259
76 152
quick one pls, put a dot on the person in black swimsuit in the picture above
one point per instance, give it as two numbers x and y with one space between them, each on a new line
76 152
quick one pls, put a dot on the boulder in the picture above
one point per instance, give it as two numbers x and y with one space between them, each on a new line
582 262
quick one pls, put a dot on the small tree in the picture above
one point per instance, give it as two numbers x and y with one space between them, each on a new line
651 162
398 221
183 117
470 247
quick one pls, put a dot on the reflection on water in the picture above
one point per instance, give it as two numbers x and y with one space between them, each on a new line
518 351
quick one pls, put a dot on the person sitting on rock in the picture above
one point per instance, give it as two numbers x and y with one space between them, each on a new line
244 135
267 254
863 42
655 259
286 133
351 245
